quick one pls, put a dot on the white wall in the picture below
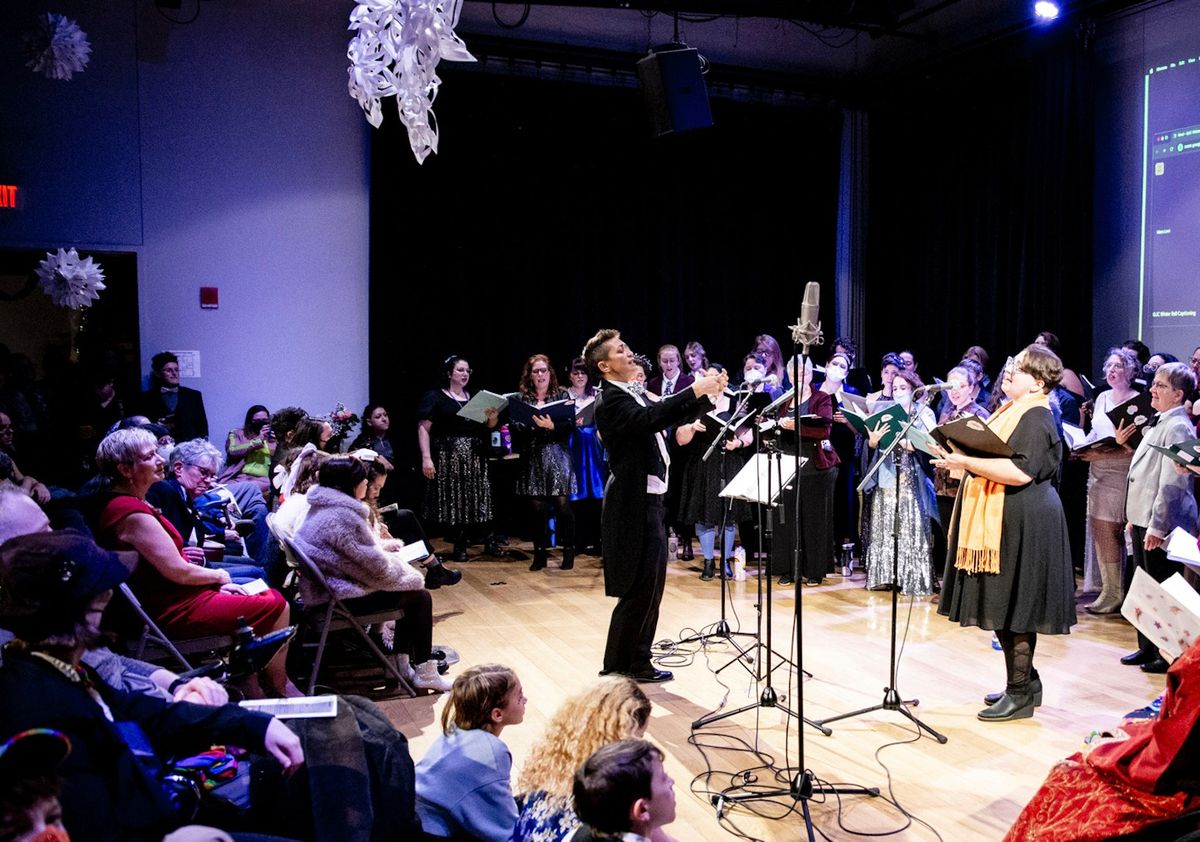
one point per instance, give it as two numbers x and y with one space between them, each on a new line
253 166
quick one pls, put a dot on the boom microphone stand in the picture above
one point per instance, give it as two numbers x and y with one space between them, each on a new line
769 698
891 696
807 331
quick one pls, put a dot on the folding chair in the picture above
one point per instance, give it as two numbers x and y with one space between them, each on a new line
154 645
333 615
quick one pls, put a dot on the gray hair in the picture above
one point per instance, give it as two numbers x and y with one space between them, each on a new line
121 447
1179 375
198 452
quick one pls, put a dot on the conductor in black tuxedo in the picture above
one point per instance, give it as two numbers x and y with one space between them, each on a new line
631 522
178 408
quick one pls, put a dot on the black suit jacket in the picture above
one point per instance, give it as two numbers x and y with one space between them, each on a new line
627 430
189 420
169 498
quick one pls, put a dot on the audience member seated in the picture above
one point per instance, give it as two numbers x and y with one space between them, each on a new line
400 526
623 792
250 449
283 428
30 485
178 408
614 708
301 477
1131 780
184 599
374 434
463 781
29 786
357 744
191 469
337 537
53 589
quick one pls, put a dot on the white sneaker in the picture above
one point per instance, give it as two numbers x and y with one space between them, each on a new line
427 678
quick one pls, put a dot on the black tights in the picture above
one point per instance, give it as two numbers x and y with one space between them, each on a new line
564 523
1018 650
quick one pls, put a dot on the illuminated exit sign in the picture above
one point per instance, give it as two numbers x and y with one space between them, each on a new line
8 195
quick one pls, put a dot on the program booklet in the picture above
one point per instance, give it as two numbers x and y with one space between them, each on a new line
480 402
1167 613
973 437
1136 411
893 417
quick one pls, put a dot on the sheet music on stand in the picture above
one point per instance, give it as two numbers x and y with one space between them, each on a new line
758 475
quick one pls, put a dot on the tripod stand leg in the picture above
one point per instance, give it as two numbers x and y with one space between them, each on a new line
941 738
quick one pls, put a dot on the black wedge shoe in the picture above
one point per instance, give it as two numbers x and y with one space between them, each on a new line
1035 688
1010 706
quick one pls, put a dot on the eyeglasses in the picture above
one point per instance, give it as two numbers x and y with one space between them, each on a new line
539 371
463 370
4 428
207 473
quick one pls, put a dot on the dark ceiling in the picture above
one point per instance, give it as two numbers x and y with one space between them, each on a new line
823 41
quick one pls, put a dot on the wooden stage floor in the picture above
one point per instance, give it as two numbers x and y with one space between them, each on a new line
550 626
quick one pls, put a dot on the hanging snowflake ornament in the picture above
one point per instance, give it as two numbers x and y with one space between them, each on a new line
395 52
69 281
56 47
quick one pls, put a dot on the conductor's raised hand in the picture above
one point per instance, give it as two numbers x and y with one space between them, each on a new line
711 383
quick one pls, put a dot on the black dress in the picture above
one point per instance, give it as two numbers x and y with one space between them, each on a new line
1035 588
459 493
546 454
702 482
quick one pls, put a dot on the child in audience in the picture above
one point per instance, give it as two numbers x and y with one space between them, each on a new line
623 792
463 781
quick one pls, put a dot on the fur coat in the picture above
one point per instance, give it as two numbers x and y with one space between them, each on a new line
338 538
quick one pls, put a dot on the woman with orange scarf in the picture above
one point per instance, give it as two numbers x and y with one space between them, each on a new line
1009 564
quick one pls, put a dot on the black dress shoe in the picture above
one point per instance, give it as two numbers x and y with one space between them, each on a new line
459 556
786 579
539 560
439 575
1157 666
1138 658
687 552
651 676
568 562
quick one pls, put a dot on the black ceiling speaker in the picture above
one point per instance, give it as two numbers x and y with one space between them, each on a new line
673 85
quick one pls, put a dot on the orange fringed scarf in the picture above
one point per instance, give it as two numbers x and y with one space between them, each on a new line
982 500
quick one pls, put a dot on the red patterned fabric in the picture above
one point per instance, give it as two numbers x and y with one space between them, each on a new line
1125 786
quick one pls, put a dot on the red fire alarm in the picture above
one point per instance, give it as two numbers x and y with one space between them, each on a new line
208 298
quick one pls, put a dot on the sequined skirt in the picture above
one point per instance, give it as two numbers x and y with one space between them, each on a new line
460 493
547 471
917 509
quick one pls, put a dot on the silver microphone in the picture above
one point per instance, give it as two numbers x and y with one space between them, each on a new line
933 389
807 330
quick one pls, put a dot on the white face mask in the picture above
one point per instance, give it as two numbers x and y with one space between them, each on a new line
904 398
835 373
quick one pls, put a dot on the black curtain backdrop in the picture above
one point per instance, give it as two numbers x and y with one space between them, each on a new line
980 223
550 212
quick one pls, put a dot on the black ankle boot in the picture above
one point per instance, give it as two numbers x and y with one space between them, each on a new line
710 570
568 561
1035 689
1012 705
539 560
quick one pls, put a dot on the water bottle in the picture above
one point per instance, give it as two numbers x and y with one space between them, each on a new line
739 564
672 545
506 438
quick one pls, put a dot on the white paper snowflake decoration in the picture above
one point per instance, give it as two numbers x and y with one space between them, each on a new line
57 47
69 281
395 52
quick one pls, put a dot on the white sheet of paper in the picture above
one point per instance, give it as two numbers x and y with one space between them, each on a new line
413 552
1181 546
759 480
255 587
309 707
1167 613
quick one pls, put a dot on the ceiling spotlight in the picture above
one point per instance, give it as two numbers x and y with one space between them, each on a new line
1045 10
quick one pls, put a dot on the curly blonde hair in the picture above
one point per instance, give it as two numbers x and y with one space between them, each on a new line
612 709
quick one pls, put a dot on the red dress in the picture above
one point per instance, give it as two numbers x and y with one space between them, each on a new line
1122 787
183 610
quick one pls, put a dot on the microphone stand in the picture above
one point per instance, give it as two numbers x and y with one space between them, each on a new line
801 786
891 696
722 631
